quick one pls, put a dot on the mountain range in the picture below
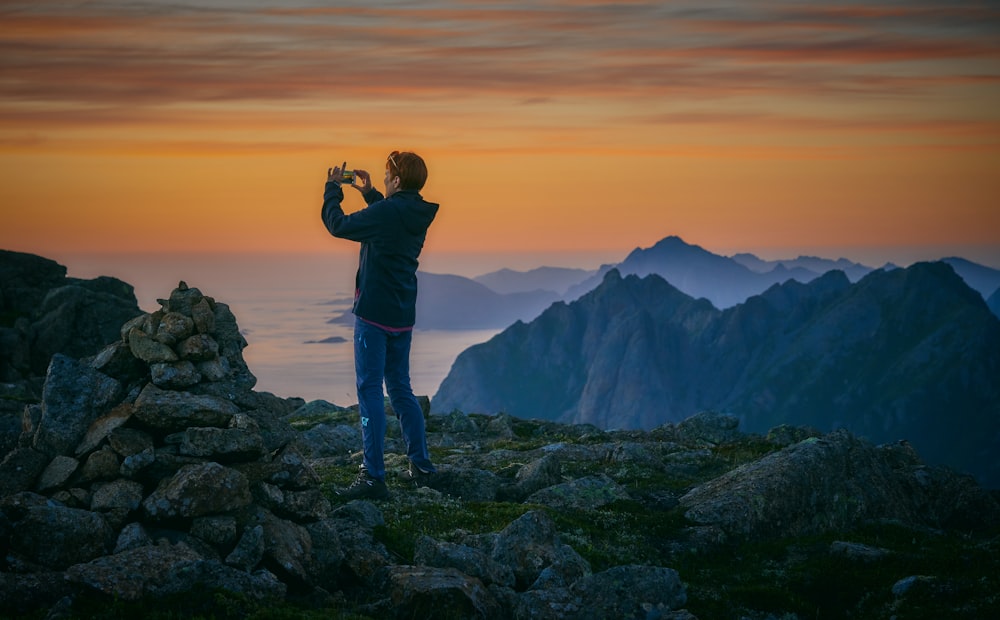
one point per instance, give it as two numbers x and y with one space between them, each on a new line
901 354
496 300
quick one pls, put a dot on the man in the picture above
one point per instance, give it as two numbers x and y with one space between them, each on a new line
391 230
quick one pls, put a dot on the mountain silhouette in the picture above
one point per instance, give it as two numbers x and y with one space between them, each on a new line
497 299
903 354
557 279
451 302
723 281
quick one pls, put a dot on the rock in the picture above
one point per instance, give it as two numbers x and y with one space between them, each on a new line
471 561
175 411
74 396
213 370
231 345
80 318
303 506
857 551
100 465
474 485
124 495
174 375
219 531
424 591
24 593
25 279
631 592
198 348
20 469
222 444
132 536
327 553
102 428
173 328
529 544
915 585
249 550
709 426
588 492
116 360
183 299
57 473
198 490
148 350
324 440
135 573
203 316
832 483
539 474
159 571
57 537
129 441
287 548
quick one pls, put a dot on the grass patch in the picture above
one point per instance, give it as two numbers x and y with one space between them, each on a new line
198 604
442 519
802 577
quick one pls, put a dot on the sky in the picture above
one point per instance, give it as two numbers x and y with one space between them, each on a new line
867 130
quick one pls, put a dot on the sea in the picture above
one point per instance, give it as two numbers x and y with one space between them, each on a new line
283 304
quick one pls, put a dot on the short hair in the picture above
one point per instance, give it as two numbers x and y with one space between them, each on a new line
409 167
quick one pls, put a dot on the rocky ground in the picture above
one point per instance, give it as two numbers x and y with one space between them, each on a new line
151 479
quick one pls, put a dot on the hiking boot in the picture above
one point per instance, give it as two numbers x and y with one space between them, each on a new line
365 487
416 475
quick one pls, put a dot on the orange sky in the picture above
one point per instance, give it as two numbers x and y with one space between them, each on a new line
560 125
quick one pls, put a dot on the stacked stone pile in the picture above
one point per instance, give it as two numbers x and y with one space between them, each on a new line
153 466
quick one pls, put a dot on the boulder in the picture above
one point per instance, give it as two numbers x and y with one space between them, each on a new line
530 544
161 570
175 411
469 560
588 492
425 591
57 537
834 483
80 318
197 490
75 395
20 469
631 592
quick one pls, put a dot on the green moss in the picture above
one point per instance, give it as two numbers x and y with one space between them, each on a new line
622 532
803 577
442 519
198 604
333 417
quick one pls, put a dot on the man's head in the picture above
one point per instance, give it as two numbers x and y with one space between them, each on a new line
404 171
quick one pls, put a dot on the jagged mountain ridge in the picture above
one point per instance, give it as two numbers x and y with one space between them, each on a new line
497 299
696 271
814 264
906 354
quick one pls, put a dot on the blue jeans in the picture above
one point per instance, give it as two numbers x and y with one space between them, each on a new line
380 355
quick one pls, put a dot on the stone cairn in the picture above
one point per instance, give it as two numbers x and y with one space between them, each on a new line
153 467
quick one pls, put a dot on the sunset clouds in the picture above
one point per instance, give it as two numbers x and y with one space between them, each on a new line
705 119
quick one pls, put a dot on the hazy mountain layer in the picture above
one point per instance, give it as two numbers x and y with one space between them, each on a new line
906 354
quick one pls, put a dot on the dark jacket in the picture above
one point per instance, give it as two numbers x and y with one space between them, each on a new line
392 232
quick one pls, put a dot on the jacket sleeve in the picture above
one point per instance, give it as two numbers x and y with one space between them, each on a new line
359 226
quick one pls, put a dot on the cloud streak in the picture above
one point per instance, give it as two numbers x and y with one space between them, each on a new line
135 54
